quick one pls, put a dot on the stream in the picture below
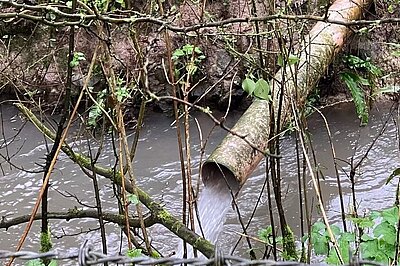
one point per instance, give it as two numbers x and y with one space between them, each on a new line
157 169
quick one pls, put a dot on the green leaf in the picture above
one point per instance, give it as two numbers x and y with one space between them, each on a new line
53 263
395 172
344 248
279 240
375 214
363 222
177 53
293 59
197 50
280 60
36 262
155 254
264 234
332 258
335 230
346 236
391 216
386 232
188 49
318 227
262 89
319 238
369 249
388 249
366 237
352 81
248 86
132 198
122 93
78 56
134 253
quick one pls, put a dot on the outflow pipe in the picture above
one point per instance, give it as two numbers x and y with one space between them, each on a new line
239 153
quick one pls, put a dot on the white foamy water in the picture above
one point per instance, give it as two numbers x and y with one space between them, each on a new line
214 203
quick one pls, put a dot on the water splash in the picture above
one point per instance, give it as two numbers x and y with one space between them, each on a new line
214 203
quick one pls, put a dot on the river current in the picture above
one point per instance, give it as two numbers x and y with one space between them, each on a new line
158 172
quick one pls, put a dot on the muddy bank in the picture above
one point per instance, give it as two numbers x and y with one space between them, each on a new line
34 56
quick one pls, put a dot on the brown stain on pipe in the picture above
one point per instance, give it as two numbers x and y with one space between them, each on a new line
234 158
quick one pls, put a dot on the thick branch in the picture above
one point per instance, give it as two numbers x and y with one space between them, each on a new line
159 214
84 20
76 214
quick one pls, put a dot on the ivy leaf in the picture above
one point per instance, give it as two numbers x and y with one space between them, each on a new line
262 89
248 86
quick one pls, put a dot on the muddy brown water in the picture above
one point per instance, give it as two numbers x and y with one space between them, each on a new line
158 172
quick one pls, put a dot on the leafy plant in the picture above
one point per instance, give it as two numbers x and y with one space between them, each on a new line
354 82
265 235
362 74
187 60
134 253
290 60
393 4
259 89
122 92
95 111
78 56
38 262
377 243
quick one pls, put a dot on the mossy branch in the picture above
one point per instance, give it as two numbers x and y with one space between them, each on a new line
159 214
76 214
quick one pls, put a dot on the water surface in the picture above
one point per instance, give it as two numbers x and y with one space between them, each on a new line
157 169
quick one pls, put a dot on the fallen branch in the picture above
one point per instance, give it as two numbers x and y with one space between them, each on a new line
159 214
76 214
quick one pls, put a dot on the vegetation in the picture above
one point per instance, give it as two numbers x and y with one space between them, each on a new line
102 66
377 242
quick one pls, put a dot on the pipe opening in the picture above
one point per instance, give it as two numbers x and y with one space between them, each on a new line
213 173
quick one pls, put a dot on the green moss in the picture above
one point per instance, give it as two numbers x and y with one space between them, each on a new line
164 215
45 241
289 245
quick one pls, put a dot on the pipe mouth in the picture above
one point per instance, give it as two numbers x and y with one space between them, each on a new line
213 172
